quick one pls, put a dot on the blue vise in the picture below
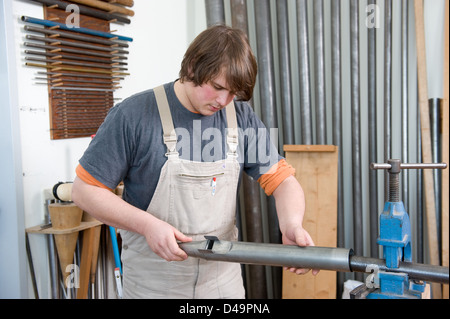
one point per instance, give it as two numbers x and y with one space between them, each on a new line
395 238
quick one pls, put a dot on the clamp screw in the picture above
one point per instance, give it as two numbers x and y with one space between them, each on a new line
394 166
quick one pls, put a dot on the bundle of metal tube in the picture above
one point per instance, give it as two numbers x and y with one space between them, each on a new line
323 258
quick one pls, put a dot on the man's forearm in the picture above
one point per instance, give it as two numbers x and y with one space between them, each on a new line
290 204
108 207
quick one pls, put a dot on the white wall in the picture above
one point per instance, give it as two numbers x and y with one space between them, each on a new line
161 32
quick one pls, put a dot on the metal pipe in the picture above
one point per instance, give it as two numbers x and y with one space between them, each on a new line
60 55
319 72
265 63
355 120
58 74
54 41
268 109
435 131
64 62
63 88
304 78
62 26
54 49
372 123
52 257
410 165
74 36
269 254
313 257
257 287
415 271
404 82
86 70
285 72
215 12
336 87
31 267
387 87
420 242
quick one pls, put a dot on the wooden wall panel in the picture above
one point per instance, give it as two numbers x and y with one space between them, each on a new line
317 171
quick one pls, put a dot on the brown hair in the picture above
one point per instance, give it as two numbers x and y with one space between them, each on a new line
221 49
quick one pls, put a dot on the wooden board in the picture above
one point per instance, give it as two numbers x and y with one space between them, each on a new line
41 229
430 208
317 171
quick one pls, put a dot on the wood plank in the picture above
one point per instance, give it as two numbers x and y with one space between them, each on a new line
86 262
313 148
84 225
430 208
316 169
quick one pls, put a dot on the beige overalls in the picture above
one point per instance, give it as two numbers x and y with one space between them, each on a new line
199 199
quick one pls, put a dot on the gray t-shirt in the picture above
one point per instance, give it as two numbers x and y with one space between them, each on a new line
129 144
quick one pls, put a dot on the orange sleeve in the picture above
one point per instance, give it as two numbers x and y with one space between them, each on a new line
277 173
88 178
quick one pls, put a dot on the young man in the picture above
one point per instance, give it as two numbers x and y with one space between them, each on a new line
180 150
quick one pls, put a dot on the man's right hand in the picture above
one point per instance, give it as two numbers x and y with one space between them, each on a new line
162 239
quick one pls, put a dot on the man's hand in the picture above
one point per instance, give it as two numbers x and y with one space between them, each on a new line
298 236
162 239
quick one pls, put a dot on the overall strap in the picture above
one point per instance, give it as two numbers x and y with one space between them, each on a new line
169 134
232 133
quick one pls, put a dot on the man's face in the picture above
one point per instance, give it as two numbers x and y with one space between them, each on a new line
209 97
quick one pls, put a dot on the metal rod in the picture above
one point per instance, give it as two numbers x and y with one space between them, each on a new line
420 242
387 87
84 85
215 12
88 11
285 72
372 125
404 82
74 36
96 76
58 49
415 271
355 120
266 78
435 131
63 62
304 78
269 254
410 165
63 88
336 87
265 63
256 274
61 80
313 257
31 267
319 72
54 41
86 70
61 55
62 26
